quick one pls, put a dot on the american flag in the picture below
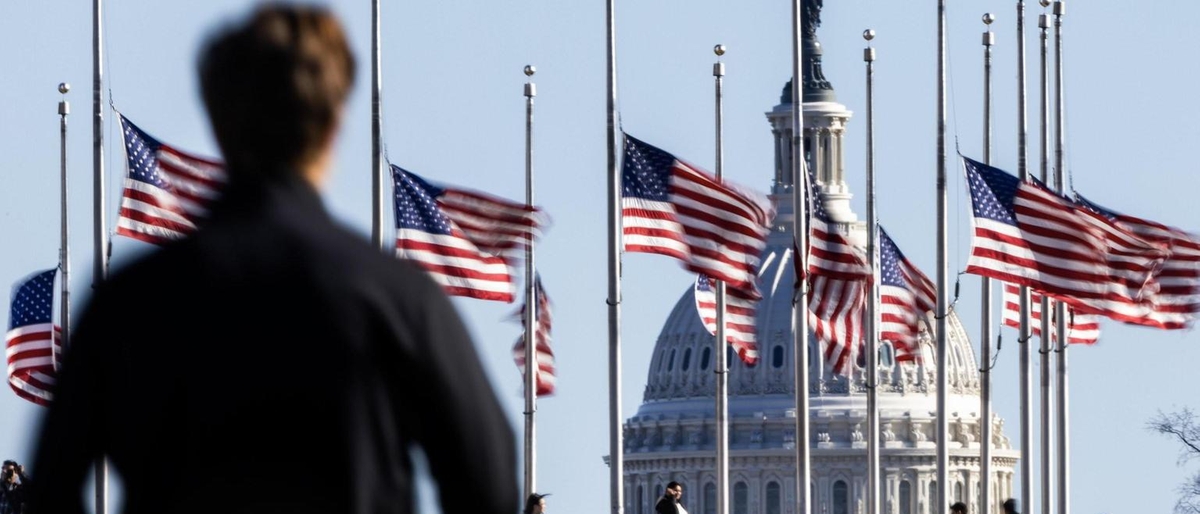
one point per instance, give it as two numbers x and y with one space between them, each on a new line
905 295
1081 328
740 311
462 238
1027 235
1176 302
166 191
672 208
546 377
32 344
838 274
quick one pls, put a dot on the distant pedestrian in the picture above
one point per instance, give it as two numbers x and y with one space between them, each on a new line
958 508
1011 506
536 504
669 503
12 488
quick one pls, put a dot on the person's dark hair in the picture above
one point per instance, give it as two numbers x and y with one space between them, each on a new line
533 501
1011 506
959 507
673 484
10 463
274 87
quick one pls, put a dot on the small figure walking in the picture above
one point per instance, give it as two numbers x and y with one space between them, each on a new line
669 503
535 504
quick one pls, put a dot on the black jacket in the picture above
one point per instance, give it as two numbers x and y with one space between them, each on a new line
666 505
274 362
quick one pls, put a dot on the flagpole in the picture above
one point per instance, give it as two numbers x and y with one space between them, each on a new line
64 259
99 234
943 387
872 384
721 367
1026 384
800 248
1064 454
376 132
985 356
1044 340
531 302
616 465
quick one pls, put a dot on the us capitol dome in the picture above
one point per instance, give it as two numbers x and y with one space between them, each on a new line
672 435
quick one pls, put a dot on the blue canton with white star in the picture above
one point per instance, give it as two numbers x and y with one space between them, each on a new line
818 207
33 301
993 192
646 171
141 152
889 262
416 205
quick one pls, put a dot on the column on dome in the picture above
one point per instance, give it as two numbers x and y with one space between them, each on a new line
973 491
840 167
775 134
890 491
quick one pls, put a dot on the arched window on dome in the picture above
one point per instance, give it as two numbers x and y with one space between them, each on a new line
662 359
905 497
887 355
710 498
687 359
777 356
774 498
841 498
741 498
933 497
958 492
705 358
671 361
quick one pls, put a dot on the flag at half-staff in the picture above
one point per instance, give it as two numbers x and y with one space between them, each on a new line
465 240
1025 234
740 310
1081 328
905 295
673 208
838 274
547 375
1176 301
166 191
32 343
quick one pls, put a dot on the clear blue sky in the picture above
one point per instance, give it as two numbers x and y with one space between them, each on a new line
454 112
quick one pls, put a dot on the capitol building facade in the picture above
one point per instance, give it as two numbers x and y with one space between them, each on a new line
671 437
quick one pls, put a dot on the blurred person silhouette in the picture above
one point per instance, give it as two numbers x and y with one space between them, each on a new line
1011 506
12 488
958 508
670 501
535 504
274 361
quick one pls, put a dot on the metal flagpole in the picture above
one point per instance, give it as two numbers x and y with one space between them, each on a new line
616 463
64 258
99 234
800 248
943 387
873 499
985 346
1026 385
721 367
376 133
1044 341
1064 454
531 302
